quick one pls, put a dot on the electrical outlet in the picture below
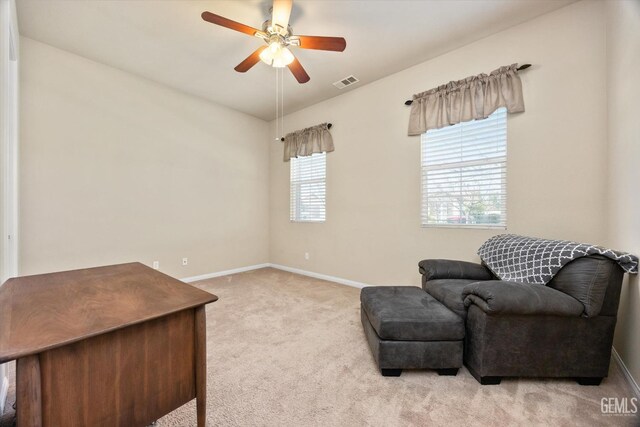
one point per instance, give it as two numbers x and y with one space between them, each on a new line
185 261
156 264
306 256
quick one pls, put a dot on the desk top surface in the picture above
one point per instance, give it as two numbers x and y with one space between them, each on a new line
46 311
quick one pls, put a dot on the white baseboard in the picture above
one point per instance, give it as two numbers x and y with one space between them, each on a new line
225 272
625 371
339 280
4 390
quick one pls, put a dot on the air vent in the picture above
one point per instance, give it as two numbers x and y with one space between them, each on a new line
347 81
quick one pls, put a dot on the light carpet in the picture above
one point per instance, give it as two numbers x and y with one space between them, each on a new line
289 350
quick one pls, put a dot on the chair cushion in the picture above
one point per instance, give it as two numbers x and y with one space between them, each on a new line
501 297
449 293
433 269
586 279
408 313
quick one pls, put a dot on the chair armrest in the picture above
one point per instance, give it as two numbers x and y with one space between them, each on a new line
434 269
500 297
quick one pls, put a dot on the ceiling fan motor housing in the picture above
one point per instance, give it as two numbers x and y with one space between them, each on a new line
276 29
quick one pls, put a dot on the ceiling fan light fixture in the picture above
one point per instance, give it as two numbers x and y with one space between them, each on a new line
286 57
276 55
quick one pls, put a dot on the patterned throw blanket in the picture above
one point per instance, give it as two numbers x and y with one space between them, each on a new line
531 260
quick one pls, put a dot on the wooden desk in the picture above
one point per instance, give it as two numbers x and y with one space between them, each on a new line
121 345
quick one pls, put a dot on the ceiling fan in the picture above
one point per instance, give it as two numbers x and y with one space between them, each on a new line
278 36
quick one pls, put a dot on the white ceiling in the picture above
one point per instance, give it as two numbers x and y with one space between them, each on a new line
167 41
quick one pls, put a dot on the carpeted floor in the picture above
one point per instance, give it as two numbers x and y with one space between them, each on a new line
288 350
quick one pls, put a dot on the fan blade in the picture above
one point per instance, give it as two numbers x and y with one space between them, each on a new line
251 60
281 12
337 44
228 23
298 72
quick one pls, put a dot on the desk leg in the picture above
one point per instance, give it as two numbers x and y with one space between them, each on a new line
28 392
201 364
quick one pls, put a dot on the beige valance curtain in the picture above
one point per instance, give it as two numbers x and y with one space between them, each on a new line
472 98
305 142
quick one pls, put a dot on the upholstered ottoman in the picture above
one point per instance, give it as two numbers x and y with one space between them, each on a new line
408 329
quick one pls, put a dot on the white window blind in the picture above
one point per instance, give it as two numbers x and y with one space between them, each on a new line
308 188
464 174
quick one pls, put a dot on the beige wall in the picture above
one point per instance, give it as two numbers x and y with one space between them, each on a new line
115 168
3 61
623 50
4 141
556 173
8 154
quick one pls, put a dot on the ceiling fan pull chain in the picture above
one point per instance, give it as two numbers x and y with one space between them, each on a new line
277 137
282 101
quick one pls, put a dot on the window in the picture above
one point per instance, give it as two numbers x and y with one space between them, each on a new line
464 174
308 188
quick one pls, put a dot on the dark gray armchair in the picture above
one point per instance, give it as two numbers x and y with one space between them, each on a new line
564 329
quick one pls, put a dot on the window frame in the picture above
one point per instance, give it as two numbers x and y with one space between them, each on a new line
462 164
294 214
